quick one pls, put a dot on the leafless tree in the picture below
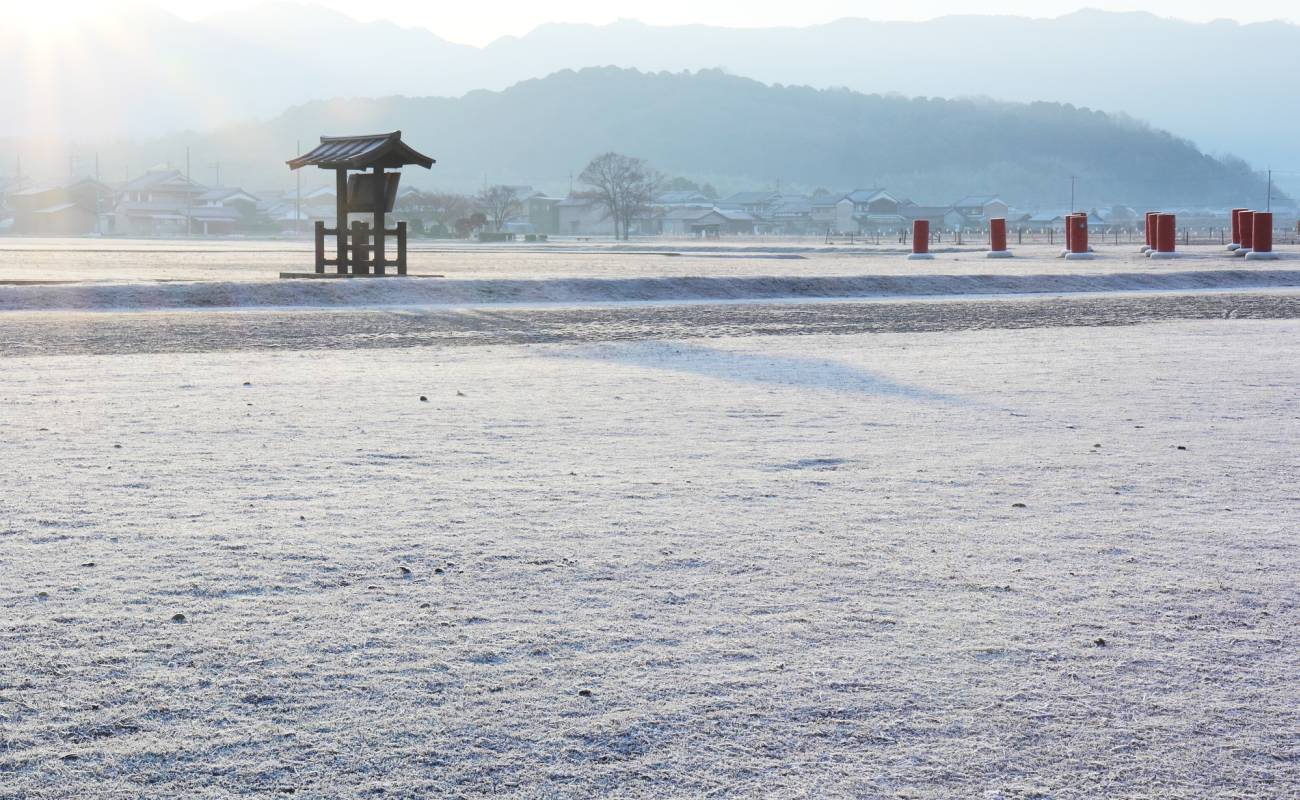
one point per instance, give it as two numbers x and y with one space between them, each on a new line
625 186
447 207
500 204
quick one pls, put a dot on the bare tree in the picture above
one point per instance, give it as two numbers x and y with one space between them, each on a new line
623 185
500 203
447 207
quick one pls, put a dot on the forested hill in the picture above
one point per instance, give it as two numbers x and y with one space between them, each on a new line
738 133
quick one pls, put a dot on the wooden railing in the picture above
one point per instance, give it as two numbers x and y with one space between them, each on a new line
359 256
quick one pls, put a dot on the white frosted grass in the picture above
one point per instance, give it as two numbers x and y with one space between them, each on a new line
195 260
782 567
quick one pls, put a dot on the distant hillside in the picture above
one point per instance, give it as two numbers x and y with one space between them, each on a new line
146 73
739 133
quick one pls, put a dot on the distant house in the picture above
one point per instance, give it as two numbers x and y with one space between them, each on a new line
756 204
977 210
682 198
793 215
1047 221
74 208
162 202
865 210
935 215
544 213
821 211
707 222
578 216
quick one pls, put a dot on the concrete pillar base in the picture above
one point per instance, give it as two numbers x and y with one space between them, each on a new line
921 257
1255 255
998 254
1146 248
1240 252
1165 255
1234 246
1079 256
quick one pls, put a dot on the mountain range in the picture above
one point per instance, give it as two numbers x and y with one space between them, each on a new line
145 72
738 133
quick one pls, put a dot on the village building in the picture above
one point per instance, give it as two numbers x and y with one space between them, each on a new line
706 222
158 203
756 204
866 210
821 211
579 216
73 208
682 198
976 210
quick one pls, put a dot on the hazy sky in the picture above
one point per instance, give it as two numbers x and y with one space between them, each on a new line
479 23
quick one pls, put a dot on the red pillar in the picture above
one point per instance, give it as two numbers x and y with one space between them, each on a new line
1079 233
1166 232
920 236
1247 224
1151 229
1236 225
997 234
1069 229
1262 232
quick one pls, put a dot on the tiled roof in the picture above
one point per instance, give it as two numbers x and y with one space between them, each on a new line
361 152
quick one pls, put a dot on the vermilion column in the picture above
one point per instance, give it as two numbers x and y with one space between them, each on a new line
1166 232
1262 231
1079 234
997 234
1236 228
1069 231
998 238
1262 236
1151 229
1247 231
920 236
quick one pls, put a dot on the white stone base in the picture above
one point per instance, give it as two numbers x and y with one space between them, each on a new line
1233 246
1146 248
998 254
1064 253
921 257
1079 256
1255 255
1240 252
1163 255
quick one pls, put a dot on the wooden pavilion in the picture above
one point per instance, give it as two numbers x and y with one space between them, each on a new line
362 193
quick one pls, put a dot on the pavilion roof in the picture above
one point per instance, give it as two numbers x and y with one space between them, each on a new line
361 152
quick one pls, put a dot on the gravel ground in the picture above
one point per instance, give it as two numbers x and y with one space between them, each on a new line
1053 562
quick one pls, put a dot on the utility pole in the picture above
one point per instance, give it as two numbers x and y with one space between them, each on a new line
1072 208
297 198
98 228
1269 206
217 166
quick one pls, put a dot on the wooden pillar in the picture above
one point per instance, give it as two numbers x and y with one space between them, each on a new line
381 198
360 244
401 247
320 246
341 218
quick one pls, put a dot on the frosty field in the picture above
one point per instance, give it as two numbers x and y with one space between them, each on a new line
959 547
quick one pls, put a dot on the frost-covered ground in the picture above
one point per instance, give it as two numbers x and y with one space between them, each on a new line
1057 562
24 259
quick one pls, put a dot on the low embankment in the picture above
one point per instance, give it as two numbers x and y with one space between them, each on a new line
458 292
